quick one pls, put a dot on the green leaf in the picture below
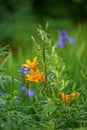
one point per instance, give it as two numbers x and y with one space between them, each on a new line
50 107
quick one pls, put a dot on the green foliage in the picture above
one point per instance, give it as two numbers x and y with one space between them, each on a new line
3 50
46 110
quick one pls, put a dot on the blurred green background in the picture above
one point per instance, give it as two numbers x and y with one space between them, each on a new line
20 18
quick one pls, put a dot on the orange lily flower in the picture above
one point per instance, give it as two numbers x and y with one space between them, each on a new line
69 97
31 65
35 76
64 98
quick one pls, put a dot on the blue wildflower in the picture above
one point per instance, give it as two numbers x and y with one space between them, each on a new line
23 70
29 93
63 38
1 92
22 89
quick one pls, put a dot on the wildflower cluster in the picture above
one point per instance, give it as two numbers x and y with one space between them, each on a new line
34 75
53 92
30 73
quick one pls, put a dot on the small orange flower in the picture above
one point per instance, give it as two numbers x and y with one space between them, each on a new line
35 76
61 95
72 95
69 97
31 65
64 97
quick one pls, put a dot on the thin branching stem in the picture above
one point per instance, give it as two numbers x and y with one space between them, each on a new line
44 59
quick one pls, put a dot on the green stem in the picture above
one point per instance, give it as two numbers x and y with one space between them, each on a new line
44 59
12 86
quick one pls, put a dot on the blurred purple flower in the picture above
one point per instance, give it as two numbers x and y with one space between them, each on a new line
29 93
63 38
23 70
1 92
22 89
